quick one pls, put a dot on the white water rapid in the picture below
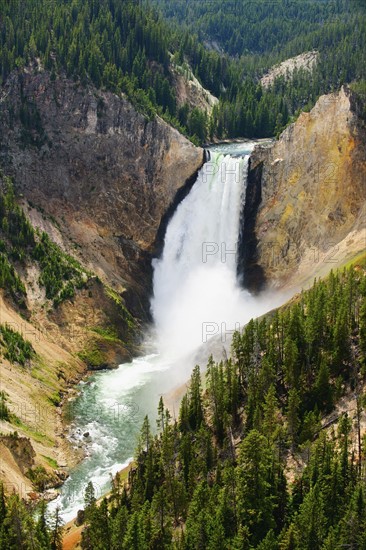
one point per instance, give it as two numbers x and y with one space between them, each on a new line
197 299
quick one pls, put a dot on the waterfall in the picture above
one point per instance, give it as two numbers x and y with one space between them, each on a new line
196 297
196 293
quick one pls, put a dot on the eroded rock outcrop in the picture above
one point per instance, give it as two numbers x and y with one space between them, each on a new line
305 62
190 91
101 181
306 196
104 173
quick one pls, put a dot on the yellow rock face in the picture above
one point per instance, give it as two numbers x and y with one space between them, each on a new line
313 187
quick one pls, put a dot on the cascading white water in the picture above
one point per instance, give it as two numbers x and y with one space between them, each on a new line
196 296
195 286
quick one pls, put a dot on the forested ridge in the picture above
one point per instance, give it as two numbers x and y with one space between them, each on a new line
127 47
222 475
275 28
216 477
260 34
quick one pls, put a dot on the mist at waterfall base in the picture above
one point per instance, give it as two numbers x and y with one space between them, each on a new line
196 305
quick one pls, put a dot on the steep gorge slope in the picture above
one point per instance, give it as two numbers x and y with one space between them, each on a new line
31 436
102 171
100 180
305 210
305 61
189 90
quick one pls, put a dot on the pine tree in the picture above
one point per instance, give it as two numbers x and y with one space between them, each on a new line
42 529
135 536
353 523
311 521
323 389
89 500
254 489
2 505
292 413
195 409
271 414
56 527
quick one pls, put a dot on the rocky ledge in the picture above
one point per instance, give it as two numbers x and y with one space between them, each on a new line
305 205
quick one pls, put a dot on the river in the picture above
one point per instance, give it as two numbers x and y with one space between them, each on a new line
197 300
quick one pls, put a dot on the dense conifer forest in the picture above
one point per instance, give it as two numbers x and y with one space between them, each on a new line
216 476
127 47
260 457
259 34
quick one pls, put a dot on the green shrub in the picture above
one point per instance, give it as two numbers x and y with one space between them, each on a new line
39 477
60 273
4 411
10 281
108 333
16 348
93 357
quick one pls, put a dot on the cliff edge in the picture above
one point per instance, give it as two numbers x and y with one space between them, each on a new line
99 169
305 207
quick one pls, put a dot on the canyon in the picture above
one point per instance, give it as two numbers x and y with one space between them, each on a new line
99 179
103 181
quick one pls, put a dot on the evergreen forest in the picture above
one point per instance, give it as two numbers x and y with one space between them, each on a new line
261 455
130 46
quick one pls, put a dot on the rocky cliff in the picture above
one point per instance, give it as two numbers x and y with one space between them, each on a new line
189 91
99 170
305 207
101 181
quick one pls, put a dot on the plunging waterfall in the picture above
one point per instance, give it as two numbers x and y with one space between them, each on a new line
196 297
195 287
